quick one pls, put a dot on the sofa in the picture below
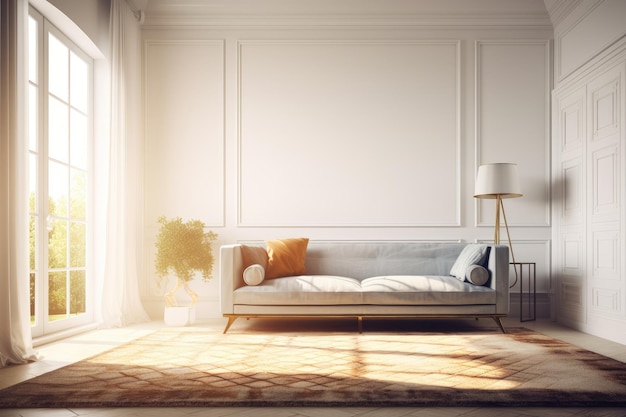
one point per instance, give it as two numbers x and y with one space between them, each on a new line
364 279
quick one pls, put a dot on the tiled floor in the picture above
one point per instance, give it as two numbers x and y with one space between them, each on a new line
73 349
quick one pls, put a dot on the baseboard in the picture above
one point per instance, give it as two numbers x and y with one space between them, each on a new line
63 334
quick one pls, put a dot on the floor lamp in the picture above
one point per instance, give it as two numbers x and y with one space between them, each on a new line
499 181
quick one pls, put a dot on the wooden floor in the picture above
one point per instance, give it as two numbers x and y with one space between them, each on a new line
73 349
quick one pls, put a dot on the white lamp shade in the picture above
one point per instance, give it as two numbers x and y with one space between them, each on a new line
495 180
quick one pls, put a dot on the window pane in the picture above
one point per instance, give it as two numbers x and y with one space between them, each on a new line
78 242
58 130
77 292
57 189
78 139
57 295
58 70
79 83
33 117
57 244
33 294
32 239
78 196
33 62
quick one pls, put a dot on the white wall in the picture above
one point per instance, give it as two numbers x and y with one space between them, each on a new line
344 124
334 133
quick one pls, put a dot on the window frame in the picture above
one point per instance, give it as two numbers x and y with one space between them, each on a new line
42 326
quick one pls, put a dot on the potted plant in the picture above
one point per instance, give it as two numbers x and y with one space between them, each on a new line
183 249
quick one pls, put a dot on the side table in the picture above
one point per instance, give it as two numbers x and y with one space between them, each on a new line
527 271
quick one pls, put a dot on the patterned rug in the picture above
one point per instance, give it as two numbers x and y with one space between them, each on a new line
193 366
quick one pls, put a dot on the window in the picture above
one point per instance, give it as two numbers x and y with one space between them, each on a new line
60 136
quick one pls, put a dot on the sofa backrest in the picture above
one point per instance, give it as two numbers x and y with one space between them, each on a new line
362 260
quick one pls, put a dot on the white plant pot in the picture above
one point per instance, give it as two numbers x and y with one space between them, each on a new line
180 316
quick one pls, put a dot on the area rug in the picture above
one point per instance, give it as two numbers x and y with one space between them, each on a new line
194 366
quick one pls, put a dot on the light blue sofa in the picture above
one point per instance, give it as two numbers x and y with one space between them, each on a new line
361 279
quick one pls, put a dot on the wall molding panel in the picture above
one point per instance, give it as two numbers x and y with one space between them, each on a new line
571 295
182 101
577 38
572 122
605 110
606 300
606 254
572 191
498 63
605 178
329 129
572 263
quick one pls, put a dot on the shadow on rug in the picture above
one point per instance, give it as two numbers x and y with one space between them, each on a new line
193 366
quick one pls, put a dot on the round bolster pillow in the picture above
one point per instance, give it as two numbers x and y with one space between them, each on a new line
254 274
477 275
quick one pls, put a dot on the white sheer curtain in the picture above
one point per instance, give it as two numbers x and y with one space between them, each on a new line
15 338
120 178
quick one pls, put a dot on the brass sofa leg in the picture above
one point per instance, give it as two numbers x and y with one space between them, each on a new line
499 323
231 320
360 322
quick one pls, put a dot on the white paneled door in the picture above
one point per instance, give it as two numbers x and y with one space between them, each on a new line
590 202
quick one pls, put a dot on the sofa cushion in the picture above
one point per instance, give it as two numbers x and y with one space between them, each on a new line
302 290
286 257
477 275
473 254
254 274
424 290
383 290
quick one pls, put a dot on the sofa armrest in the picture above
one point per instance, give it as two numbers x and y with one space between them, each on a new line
231 268
499 268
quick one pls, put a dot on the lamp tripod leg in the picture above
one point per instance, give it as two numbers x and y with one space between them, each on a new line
496 233
508 235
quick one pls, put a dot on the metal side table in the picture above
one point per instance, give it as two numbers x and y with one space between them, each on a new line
527 274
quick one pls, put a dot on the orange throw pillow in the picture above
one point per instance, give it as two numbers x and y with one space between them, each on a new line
286 257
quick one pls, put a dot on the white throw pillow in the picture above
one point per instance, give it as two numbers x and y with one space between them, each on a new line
477 275
473 254
254 274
